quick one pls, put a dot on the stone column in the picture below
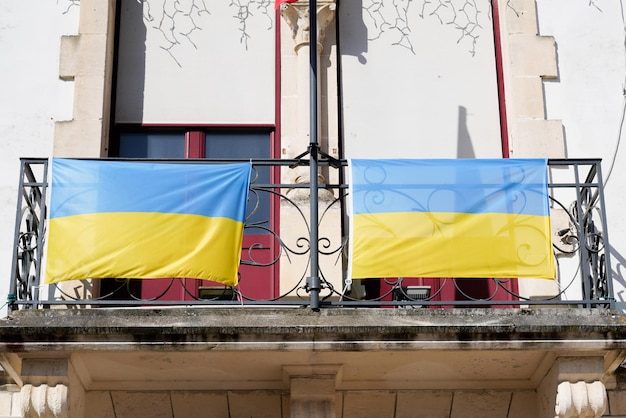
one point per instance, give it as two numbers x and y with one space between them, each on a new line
573 389
295 137
312 391
296 15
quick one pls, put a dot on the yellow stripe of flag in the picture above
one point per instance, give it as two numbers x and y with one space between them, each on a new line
146 220
450 218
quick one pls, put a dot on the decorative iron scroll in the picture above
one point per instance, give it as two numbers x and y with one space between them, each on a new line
282 247
29 232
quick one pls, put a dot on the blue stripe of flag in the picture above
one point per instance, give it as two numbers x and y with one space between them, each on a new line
516 186
89 186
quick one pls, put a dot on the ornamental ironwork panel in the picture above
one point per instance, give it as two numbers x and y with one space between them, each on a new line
278 247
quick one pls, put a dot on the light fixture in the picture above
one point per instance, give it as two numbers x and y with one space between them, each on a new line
411 293
216 293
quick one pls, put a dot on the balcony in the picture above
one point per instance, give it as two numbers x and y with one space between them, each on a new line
295 319
289 261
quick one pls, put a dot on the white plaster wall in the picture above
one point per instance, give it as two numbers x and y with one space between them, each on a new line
32 98
207 66
414 84
588 97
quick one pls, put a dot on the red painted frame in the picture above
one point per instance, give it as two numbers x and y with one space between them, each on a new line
497 38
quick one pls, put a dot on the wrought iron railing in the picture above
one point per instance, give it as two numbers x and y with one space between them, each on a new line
282 244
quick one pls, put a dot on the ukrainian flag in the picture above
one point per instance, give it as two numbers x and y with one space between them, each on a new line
450 218
146 220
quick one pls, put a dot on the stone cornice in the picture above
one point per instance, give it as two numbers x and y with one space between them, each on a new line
330 329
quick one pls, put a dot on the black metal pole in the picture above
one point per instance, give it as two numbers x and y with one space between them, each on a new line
314 279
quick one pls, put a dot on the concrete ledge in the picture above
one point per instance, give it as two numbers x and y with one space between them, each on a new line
336 329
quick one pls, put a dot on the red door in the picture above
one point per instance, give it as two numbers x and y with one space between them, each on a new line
258 273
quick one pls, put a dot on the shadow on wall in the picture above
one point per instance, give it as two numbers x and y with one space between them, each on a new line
565 153
465 148
352 30
131 63
619 283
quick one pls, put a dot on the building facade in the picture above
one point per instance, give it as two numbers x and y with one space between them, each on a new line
165 79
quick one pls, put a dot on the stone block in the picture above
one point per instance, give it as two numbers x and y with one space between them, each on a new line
78 138
484 404
76 393
96 16
370 404
424 404
617 402
199 404
99 404
289 66
523 405
142 404
537 138
88 102
69 57
254 404
532 55
83 55
45 371
527 97
575 369
289 116
521 16
313 388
